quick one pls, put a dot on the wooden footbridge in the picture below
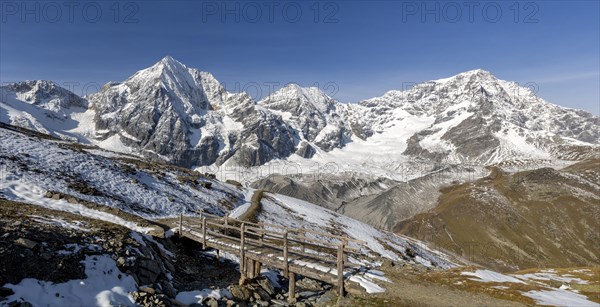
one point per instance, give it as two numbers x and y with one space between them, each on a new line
317 255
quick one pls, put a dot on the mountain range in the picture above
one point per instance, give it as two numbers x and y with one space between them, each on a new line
186 117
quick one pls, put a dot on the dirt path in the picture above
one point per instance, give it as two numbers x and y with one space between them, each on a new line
408 289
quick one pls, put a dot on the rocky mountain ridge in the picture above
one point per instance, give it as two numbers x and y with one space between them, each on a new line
185 116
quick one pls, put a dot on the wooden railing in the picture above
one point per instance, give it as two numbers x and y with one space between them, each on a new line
294 251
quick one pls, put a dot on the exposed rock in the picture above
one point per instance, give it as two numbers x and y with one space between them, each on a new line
240 293
261 294
309 284
147 290
147 271
5 292
19 304
26 243
211 302
266 285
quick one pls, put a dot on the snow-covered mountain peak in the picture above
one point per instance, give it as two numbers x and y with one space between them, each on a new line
299 100
171 112
321 120
169 60
45 94
167 70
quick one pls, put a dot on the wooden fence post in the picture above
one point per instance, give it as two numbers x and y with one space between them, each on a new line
286 268
181 224
340 269
204 232
250 268
242 251
292 288
226 225
257 266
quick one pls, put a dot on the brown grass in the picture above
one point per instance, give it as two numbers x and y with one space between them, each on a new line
251 215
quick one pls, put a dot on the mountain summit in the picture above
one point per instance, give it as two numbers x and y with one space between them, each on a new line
183 115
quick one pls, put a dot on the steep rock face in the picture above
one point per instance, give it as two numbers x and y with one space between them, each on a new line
156 109
183 115
318 118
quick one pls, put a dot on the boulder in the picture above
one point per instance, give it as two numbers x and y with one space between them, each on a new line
148 271
148 290
266 285
240 293
261 295
211 302
26 243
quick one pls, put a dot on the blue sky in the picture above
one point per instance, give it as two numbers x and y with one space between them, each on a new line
365 48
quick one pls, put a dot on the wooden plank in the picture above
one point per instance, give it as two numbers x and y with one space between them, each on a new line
303 233
221 226
261 224
204 232
285 255
340 270
242 250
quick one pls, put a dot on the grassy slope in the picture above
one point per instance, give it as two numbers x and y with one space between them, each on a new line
539 218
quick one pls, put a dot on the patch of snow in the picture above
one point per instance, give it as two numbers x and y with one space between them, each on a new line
551 275
104 285
28 192
272 275
197 296
240 210
491 276
138 238
59 222
559 297
71 248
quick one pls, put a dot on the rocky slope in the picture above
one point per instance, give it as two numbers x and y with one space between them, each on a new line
321 121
